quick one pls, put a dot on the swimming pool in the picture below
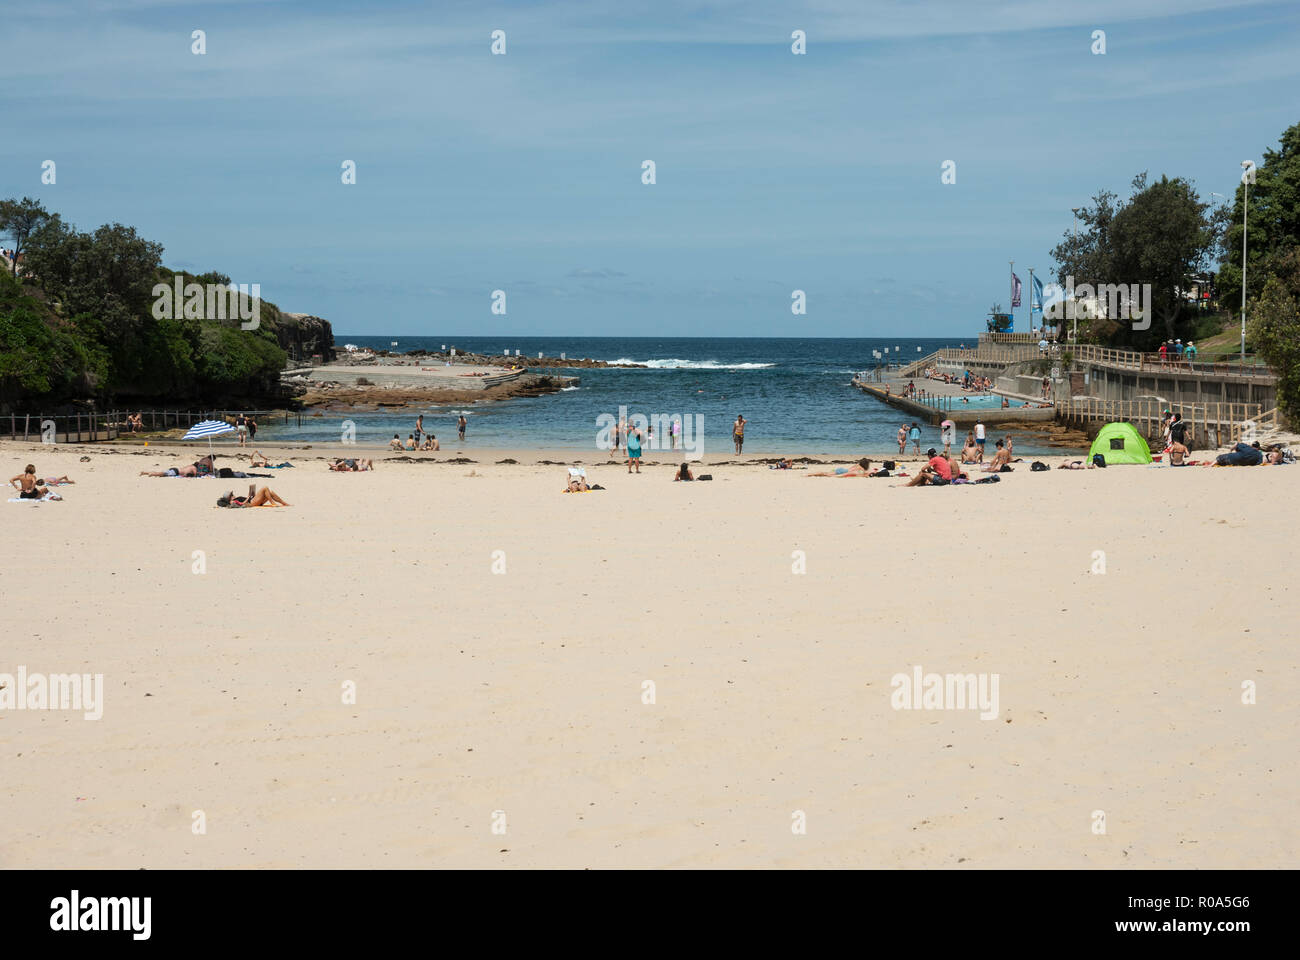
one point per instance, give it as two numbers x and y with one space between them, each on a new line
988 401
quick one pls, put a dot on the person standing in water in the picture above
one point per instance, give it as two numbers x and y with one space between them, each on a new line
461 424
419 428
738 431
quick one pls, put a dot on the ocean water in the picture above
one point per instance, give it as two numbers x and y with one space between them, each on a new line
795 393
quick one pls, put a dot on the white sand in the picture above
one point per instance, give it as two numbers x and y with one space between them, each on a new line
522 692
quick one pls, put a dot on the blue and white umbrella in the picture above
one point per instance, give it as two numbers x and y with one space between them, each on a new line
209 429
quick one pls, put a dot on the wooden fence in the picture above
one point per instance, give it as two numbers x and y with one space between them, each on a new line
91 427
1213 424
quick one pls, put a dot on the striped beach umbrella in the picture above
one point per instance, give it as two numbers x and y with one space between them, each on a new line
209 429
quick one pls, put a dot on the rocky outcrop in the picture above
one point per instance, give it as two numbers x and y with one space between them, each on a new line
303 337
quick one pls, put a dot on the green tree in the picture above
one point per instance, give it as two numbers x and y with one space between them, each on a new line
1273 227
20 219
1273 323
1161 235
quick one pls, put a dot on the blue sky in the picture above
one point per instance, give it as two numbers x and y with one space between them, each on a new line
522 172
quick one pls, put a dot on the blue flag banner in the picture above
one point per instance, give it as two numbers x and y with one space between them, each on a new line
1036 298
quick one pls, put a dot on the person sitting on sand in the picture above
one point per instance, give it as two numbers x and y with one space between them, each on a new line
395 443
410 441
971 453
199 468
860 469
1000 459
28 485
351 466
265 497
1178 454
431 443
937 471
683 473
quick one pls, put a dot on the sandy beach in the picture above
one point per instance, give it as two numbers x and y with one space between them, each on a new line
499 636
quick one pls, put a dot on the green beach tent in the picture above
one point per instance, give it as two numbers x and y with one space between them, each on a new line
1120 443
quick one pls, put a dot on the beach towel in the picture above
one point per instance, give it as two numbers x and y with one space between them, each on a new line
49 496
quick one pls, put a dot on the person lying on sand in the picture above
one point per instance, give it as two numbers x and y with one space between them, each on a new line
1242 455
351 466
860 469
57 481
1073 465
28 485
261 461
576 485
266 497
683 473
199 468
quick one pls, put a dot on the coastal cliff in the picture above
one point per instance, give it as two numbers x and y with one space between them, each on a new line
304 337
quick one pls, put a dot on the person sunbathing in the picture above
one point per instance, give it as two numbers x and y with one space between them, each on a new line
1242 455
860 469
57 481
576 485
199 468
258 460
1071 465
1178 454
28 485
265 497
351 466
1000 460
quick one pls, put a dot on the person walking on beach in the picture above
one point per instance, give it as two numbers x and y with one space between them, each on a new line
915 436
948 431
634 450
252 428
676 432
461 424
241 428
902 439
738 431
979 437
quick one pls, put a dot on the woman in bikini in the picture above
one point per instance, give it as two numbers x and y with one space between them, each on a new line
860 469
266 497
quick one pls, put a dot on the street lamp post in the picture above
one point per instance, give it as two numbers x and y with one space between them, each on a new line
1247 175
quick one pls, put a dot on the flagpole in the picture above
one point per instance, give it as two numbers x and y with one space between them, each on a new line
1011 281
1031 299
